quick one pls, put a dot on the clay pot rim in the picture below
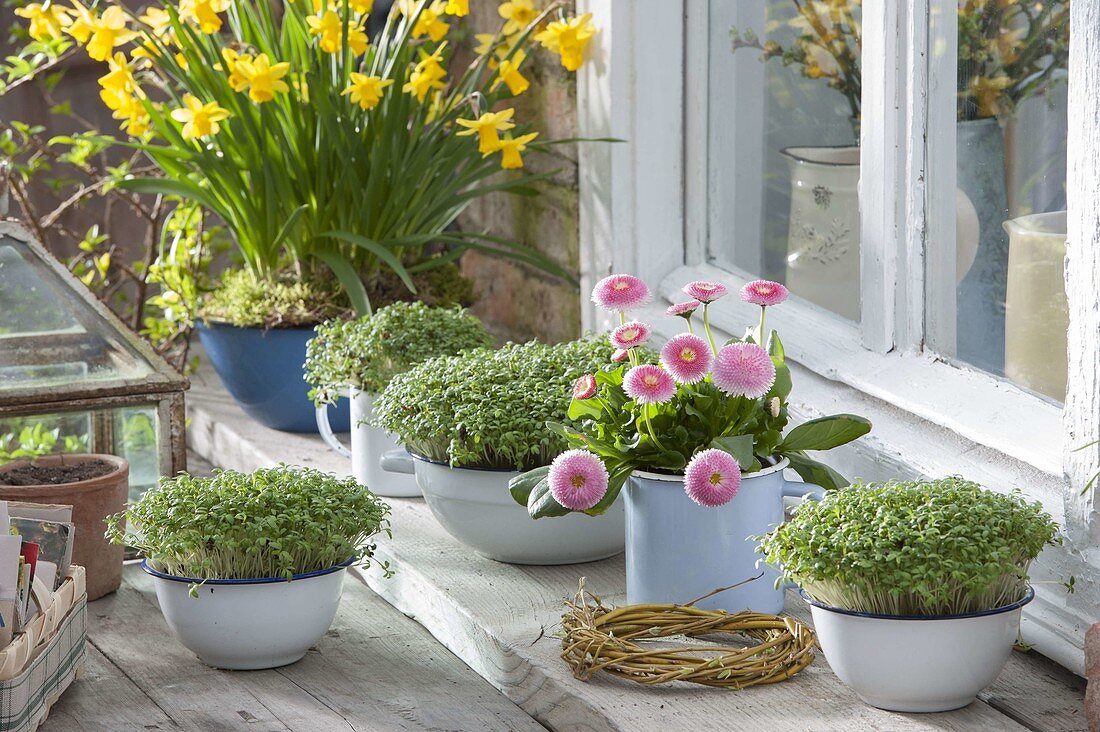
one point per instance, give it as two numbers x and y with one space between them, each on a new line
122 468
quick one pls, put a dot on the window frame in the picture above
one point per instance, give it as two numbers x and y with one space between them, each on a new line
643 209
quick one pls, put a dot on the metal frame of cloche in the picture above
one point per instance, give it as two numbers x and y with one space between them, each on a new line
152 382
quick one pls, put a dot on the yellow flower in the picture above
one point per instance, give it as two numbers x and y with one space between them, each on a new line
330 28
511 149
159 23
108 31
81 26
427 75
458 8
204 13
199 120
568 39
264 78
486 128
117 83
158 20
361 6
123 96
509 74
366 91
517 14
237 80
429 23
988 92
46 22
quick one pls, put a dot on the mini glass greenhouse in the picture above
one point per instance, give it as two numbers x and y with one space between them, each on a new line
73 374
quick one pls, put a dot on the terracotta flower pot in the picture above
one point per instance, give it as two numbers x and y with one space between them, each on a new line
92 501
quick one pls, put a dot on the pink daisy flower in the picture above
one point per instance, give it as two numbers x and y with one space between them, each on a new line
620 355
743 369
683 309
712 478
620 292
630 335
687 357
578 479
584 387
764 293
705 292
649 384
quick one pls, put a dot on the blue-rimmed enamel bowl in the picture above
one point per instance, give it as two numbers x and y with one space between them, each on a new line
250 623
917 663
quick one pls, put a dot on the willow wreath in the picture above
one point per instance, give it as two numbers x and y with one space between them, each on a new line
611 640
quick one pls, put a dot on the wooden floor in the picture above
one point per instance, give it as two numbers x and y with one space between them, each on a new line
375 670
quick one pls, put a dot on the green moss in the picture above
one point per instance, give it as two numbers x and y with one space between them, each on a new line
290 300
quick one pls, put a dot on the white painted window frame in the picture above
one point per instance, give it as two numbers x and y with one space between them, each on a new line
643 210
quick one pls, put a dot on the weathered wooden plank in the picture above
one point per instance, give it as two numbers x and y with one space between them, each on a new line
377 665
374 670
501 619
103 698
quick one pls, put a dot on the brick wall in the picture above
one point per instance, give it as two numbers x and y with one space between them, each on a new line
518 301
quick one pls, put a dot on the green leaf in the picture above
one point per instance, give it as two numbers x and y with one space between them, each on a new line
825 433
171 187
740 446
379 251
348 277
288 225
812 471
541 503
580 408
523 484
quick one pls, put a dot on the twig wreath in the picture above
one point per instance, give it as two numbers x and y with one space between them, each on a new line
601 639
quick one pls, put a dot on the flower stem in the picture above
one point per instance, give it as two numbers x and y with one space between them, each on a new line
760 337
706 327
649 426
691 328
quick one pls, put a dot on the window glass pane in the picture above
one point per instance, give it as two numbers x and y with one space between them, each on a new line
1010 163
783 93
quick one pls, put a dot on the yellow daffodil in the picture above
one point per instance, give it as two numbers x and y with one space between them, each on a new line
366 91
363 7
47 21
568 38
159 24
427 75
330 28
198 119
122 95
511 148
458 8
487 127
265 79
508 73
237 80
158 20
81 25
430 23
517 15
118 82
204 13
357 40
108 30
